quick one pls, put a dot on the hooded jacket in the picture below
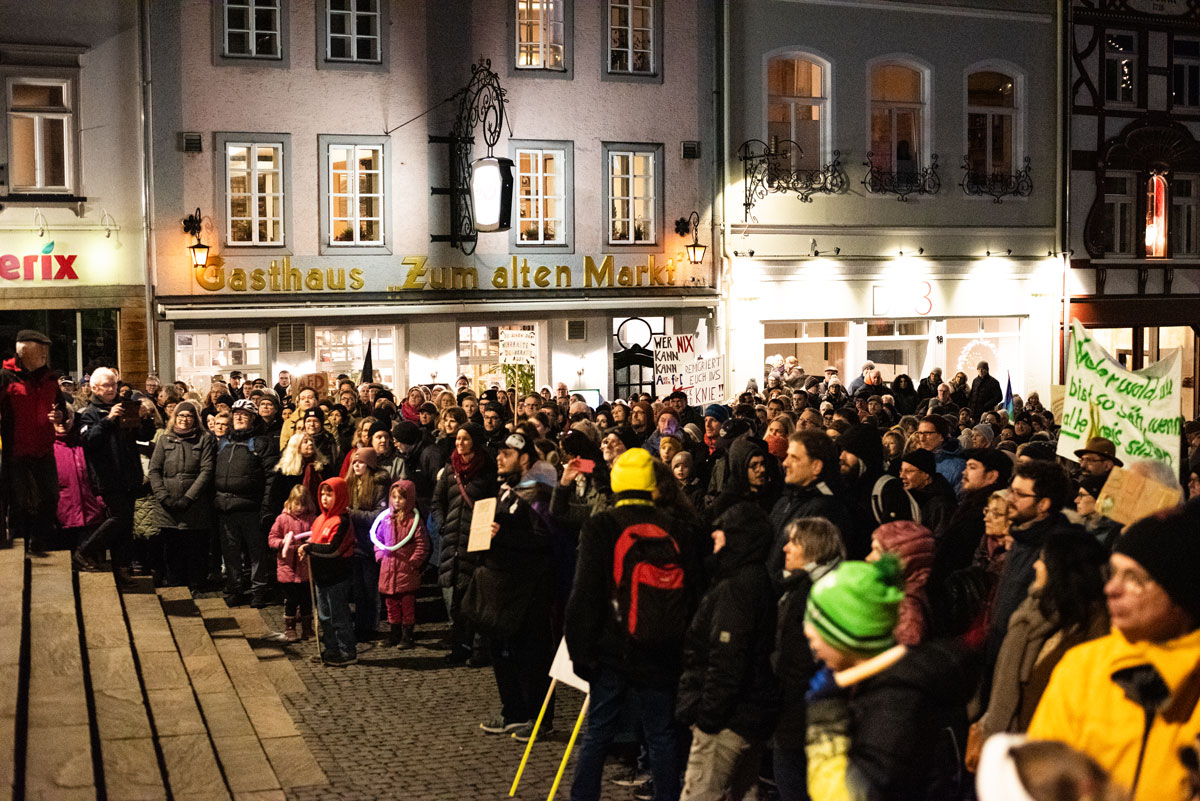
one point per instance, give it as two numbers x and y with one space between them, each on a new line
289 567
331 547
737 487
77 502
913 543
401 544
727 680
181 478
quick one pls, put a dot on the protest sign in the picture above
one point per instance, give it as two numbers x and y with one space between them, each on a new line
518 346
704 381
563 670
1128 496
482 517
670 354
1138 411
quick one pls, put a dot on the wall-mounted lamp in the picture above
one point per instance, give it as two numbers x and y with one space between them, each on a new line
1007 252
1052 253
108 222
491 193
690 225
39 220
815 253
920 252
192 224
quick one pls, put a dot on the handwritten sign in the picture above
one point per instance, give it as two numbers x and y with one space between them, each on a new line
704 381
1137 410
670 353
518 346
1129 496
482 517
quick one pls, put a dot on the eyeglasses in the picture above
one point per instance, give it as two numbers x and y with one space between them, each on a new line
1020 494
1090 459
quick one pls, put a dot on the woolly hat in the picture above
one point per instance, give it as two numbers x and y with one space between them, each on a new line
1167 545
367 456
188 406
225 399
314 412
633 471
1039 451
376 427
474 431
856 606
717 412
629 438
864 441
986 430
694 432
520 443
427 408
1092 484
645 407
404 432
268 395
922 460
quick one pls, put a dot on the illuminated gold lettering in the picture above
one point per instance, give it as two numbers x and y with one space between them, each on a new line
274 273
641 271
524 275
356 278
625 276
500 276
258 281
437 278
339 282
541 276
465 278
599 277
561 271
671 272
237 279
210 278
315 280
416 272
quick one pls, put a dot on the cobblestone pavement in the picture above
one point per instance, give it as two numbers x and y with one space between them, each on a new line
404 725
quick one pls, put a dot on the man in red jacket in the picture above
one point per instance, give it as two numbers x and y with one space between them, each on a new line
30 404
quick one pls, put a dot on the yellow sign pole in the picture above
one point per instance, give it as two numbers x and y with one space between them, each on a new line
570 744
529 746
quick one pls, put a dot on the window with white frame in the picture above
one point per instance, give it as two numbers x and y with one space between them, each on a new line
353 31
631 37
796 104
991 124
1120 67
813 343
200 354
1185 73
541 184
1119 204
252 29
254 193
355 194
1184 228
995 340
897 118
541 35
479 353
342 350
41 138
632 201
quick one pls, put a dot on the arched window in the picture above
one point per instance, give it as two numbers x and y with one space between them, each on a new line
1156 217
991 124
897 118
796 103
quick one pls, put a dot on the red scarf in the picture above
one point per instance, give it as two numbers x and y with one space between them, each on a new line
463 469
409 413
711 442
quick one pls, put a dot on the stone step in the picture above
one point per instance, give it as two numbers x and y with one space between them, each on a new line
12 590
256 740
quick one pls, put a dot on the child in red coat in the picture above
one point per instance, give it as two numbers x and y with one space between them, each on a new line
297 518
401 548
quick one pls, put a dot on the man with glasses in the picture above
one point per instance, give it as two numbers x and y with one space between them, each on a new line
933 435
1098 457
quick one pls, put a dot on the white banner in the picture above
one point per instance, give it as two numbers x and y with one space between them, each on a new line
518 346
670 354
704 381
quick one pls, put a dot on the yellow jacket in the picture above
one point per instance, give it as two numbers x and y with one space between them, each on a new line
1084 708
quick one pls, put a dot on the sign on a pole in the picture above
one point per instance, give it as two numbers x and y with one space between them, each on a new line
518 346
670 353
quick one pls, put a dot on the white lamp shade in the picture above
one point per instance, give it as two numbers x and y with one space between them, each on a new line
491 193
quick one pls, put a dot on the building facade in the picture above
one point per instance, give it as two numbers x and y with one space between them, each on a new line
72 239
1134 213
891 187
323 145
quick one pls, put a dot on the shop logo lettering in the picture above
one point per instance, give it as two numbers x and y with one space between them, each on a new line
48 265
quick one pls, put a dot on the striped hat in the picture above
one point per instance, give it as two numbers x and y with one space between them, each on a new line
856 607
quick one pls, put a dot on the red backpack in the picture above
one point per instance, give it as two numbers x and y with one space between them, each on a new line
650 600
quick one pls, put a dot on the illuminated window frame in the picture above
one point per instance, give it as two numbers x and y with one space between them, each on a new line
1156 216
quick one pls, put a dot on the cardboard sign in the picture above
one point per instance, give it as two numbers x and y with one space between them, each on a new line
518 346
1138 411
704 381
484 514
564 670
1128 496
670 354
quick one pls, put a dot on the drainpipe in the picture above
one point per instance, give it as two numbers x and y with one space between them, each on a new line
724 333
1063 215
150 269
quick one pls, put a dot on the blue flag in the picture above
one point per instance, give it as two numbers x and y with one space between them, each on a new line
1008 400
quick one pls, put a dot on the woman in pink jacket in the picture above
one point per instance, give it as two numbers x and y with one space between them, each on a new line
290 530
79 507
401 548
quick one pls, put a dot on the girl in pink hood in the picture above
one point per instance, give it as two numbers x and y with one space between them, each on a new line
401 548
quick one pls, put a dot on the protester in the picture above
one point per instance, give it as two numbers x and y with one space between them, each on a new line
244 469
330 551
912 544
368 489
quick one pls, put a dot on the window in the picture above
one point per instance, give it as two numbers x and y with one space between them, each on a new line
1118 214
479 355
200 354
1185 73
995 340
633 194
254 193
1156 217
1184 226
631 36
342 350
355 190
897 118
541 35
251 29
353 30
899 346
40 135
796 105
1120 67
991 124
541 204
814 344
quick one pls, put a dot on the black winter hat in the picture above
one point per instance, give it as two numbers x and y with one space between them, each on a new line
1167 545
313 412
863 441
991 459
376 427
629 438
922 460
476 433
405 432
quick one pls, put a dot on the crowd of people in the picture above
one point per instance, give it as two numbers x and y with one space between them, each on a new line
860 591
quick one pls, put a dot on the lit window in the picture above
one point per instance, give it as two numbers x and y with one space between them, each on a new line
254 193
991 124
541 206
1120 67
540 34
1156 217
897 118
631 191
353 31
40 135
631 36
1118 214
796 99
355 194
1184 228
252 28
1185 73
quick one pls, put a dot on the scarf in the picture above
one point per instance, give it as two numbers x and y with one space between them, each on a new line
711 442
409 413
310 477
465 471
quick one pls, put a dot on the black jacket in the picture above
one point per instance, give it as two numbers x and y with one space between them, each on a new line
985 394
727 681
937 503
737 484
793 661
245 468
111 449
452 517
818 499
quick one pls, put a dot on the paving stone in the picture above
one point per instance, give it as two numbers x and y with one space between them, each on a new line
268 716
222 627
192 767
150 634
261 795
121 713
111 667
207 674
131 771
174 594
162 670
62 702
191 638
205 604
293 762
245 764
282 675
58 763
224 714
175 712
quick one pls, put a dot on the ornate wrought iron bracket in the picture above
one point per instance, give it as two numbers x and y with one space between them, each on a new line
902 183
481 104
996 185
768 168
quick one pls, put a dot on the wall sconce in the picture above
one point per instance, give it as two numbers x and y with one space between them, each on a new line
491 193
920 252
691 225
812 250
1007 252
192 224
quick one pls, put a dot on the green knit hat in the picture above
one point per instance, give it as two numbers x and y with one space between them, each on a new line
856 607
